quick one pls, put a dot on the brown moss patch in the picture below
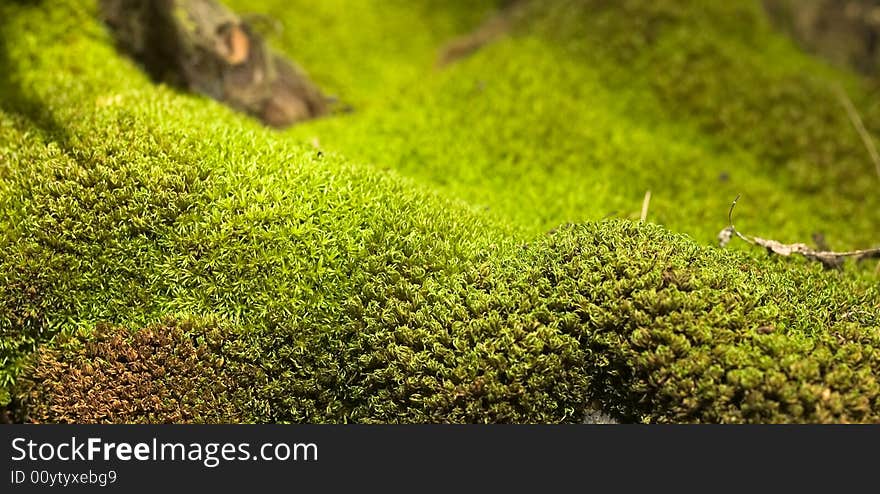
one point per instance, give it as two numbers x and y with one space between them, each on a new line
171 372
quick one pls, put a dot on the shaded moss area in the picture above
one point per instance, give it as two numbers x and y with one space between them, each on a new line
396 269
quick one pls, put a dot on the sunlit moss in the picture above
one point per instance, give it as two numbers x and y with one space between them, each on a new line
399 271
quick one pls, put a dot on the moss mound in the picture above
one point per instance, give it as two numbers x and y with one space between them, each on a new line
707 336
644 322
400 273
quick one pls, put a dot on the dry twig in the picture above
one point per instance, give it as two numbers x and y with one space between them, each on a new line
829 259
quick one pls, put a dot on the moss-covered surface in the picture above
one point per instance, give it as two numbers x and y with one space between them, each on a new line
169 372
403 273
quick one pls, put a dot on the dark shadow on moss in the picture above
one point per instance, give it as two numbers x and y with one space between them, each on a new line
13 413
14 100
14 97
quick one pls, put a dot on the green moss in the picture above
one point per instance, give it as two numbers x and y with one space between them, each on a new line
708 336
401 274
588 104
358 50
647 323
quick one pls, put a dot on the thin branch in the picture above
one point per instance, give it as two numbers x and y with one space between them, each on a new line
857 122
645 203
828 258
730 211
